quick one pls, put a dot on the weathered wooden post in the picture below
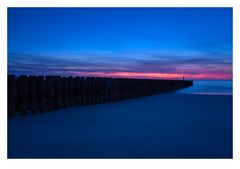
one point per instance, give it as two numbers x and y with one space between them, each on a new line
71 91
11 95
107 88
100 90
57 93
163 86
159 86
138 88
77 92
153 87
50 92
145 87
127 87
139 93
114 86
141 87
150 87
110 90
41 94
22 94
144 90
65 95
86 90
97 88
118 89
90 92
93 90
104 90
120 92
133 88
94 87
32 96
122 88
83 91
167 86
80 85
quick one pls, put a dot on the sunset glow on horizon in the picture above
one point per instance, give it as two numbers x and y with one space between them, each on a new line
153 43
153 75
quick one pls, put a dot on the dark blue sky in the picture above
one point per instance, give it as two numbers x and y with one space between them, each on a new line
121 42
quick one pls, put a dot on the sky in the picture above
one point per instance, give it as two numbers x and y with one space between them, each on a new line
159 43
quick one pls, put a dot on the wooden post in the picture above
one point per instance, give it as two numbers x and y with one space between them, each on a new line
126 86
83 91
65 91
110 90
114 86
91 85
117 89
87 86
57 93
41 94
77 91
97 89
50 92
11 95
120 92
22 94
94 88
71 91
32 95
104 90
101 90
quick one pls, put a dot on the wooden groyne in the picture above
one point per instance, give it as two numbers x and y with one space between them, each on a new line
34 94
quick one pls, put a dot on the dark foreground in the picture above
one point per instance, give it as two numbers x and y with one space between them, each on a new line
163 126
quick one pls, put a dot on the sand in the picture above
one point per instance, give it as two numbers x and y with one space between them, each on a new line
161 126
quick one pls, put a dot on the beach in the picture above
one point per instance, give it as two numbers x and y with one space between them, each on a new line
171 125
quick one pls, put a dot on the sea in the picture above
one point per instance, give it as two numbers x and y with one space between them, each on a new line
209 87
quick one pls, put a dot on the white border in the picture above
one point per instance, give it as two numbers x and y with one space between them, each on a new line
117 163
120 3
236 82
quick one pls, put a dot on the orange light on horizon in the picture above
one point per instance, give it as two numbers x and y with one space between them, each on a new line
154 75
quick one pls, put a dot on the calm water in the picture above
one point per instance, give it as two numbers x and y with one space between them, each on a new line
159 126
209 87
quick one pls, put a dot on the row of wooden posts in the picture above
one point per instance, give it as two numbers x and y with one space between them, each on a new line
34 94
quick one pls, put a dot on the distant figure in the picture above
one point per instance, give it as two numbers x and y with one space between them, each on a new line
183 78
